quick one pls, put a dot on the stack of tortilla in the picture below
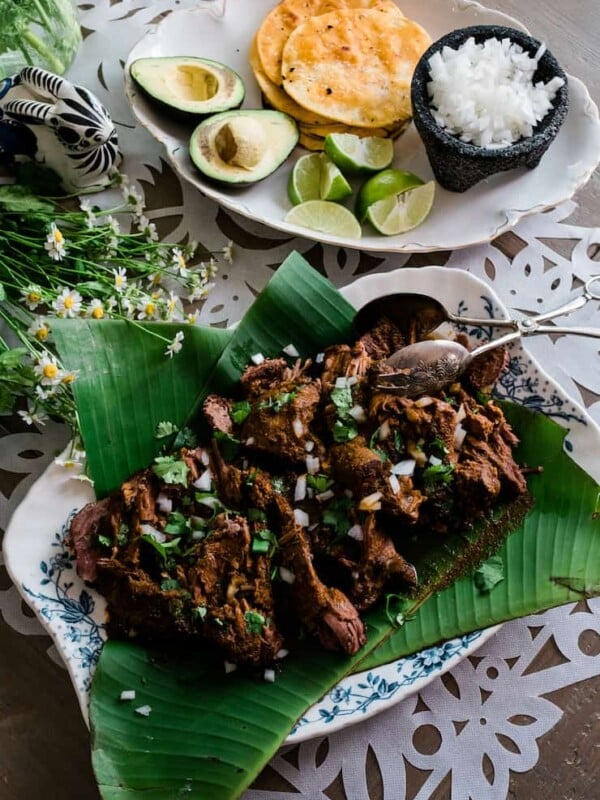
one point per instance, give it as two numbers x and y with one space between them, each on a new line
338 66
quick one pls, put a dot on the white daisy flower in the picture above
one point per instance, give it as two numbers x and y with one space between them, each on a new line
48 371
228 252
39 329
120 279
33 417
148 229
55 243
68 303
113 225
180 263
192 319
31 296
176 345
133 197
86 207
147 308
95 310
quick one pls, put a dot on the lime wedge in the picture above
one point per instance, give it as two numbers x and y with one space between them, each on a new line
356 155
399 213
382 185
325 217
315 177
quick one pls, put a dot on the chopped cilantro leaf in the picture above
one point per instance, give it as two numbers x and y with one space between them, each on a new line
438 447
164 429
164 549
279 484
199 611
239 411
320 483
336 515
254 621
169 585
482 397
438 473
256 515
251 476
264 541
398 442
177 524
490 573
341 397
104 540
186 437
123 534
210 501
260 546
277 402
343 431
171 469
395 608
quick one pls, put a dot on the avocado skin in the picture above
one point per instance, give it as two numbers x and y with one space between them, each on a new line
191 117
236 178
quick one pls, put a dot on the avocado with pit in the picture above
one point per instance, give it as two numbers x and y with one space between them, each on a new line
190 88
245 146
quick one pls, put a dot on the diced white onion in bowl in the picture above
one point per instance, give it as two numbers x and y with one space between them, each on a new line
394 483
249 441
435 461
204 457
313 465
461 413
309 446
341 382
319 358
424 401
372 502
282 653
128 694
269 675
352 380
358 413
229 666
144 711
257 358
459 436
323 497
384 431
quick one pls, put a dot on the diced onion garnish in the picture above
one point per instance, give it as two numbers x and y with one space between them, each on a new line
282 653
313 465
309 446
313 526
229 666
301 518
358 413
486 92
348 493
341 382
459 436
352 380
355 575
269 675
154 533
405 467
197 536
435 461
328 494
356 532
164 503
384 431
204 457
297 427
249 441
290 350
128 694
372 502
286 575
461 413
257 358
394 483
210 502
300 490
319 358
144 711
424 401
204 482
245 463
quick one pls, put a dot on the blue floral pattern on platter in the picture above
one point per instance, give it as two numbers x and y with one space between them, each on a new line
74 613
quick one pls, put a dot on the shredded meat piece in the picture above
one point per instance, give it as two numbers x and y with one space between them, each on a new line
93 520
384 338
325 611
217 411
260 378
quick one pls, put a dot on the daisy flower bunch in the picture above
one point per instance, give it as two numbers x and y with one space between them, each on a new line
63 260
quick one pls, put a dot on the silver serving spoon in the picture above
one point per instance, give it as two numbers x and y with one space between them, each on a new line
419 314
430 365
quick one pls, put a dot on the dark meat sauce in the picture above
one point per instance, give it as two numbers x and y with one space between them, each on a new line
290 521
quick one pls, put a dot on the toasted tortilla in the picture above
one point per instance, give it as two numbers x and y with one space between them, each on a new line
288 15
354 65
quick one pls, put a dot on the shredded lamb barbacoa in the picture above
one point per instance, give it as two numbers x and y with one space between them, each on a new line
291 520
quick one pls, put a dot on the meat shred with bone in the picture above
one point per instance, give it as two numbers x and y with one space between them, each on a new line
304 508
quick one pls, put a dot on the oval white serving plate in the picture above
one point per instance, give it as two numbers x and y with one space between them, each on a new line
456 220
73 614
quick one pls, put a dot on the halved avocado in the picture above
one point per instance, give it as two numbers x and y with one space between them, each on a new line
245 146
190 87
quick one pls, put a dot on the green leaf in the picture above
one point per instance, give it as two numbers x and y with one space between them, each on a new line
171 469
12 358
19 199
126 386
488 574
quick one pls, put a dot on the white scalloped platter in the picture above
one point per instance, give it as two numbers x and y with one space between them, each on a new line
456 220
43 570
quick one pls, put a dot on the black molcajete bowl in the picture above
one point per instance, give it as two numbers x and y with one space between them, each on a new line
458 165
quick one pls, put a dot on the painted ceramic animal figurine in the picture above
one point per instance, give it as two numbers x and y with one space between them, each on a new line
59 124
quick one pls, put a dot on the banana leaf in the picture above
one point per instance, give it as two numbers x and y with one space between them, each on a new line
208 735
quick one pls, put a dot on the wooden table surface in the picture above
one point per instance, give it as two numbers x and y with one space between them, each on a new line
44 744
